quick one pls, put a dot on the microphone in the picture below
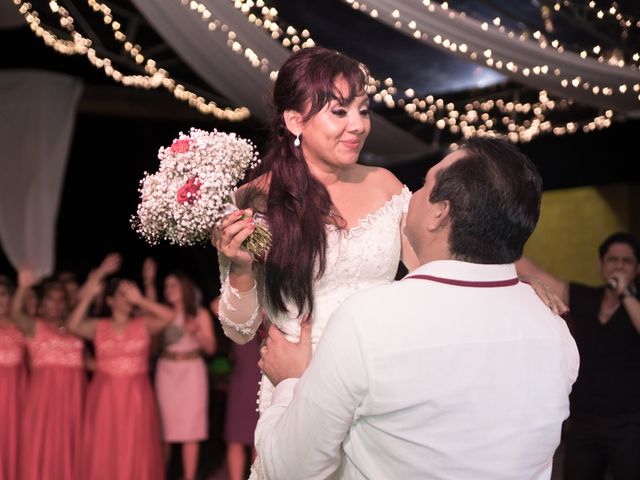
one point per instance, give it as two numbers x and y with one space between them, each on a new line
612 283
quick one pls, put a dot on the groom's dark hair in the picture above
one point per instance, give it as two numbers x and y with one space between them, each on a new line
494 192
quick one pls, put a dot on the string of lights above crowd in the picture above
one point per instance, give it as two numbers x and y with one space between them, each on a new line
476 116
520 121
626 22
155 77
403 20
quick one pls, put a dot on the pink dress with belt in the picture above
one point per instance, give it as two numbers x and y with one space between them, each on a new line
12 389
182 388
51 439
121 429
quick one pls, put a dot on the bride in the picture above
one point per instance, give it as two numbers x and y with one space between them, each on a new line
335 224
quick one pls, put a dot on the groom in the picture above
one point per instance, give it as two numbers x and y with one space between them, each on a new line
456 372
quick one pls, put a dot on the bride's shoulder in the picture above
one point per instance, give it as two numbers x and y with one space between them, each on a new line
380 179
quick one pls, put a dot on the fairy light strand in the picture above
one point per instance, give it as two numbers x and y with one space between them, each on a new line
431 110
80 45
487 56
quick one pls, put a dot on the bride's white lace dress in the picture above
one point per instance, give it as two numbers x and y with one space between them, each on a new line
358 258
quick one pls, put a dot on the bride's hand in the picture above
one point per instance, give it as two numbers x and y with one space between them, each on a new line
228 234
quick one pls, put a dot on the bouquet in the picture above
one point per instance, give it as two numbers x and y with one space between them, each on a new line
193 189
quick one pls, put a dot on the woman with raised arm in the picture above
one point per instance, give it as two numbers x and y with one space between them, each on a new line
50 440
181 382
12 384
121 428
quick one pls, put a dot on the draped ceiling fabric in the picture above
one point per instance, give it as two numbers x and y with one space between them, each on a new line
230 73
461 29
37 114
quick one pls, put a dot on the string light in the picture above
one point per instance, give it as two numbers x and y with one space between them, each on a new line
428 110
215 24
499 63
435 111
625 21
290 38
155 77
613 58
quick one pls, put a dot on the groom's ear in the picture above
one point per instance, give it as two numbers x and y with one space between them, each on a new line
440 216
293 121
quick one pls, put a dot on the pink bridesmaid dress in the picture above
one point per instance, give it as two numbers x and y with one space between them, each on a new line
122 432
12 388
52 420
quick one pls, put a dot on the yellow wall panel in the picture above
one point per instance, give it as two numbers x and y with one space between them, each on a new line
574 222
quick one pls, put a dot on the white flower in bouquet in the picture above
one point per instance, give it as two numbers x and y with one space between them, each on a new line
193 188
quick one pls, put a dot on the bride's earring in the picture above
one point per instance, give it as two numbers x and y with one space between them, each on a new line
296 142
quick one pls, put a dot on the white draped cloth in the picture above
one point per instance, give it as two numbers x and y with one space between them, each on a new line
37 117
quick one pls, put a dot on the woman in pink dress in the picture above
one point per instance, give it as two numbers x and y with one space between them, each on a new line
12 383
52 418
181 376
121 428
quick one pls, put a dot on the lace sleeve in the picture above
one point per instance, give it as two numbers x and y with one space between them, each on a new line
239 312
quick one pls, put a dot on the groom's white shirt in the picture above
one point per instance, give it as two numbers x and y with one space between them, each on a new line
426 380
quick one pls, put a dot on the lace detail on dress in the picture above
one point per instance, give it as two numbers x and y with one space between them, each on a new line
124 353
256 472
398 201
229 294
245 328
50 346
225 267
11 346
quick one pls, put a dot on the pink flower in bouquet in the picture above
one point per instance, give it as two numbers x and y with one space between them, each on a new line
188 193
180 146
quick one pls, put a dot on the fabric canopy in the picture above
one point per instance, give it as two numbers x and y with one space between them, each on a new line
461 29
37 114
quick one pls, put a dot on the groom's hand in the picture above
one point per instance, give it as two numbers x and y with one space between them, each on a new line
281 359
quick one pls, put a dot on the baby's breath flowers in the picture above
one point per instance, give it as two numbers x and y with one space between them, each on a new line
193 187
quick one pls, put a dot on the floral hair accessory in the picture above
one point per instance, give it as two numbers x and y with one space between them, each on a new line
193 189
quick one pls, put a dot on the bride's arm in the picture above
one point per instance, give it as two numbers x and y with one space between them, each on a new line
238 309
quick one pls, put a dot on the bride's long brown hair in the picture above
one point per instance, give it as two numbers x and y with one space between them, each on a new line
298 205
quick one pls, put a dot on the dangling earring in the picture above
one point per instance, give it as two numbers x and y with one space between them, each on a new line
296 142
